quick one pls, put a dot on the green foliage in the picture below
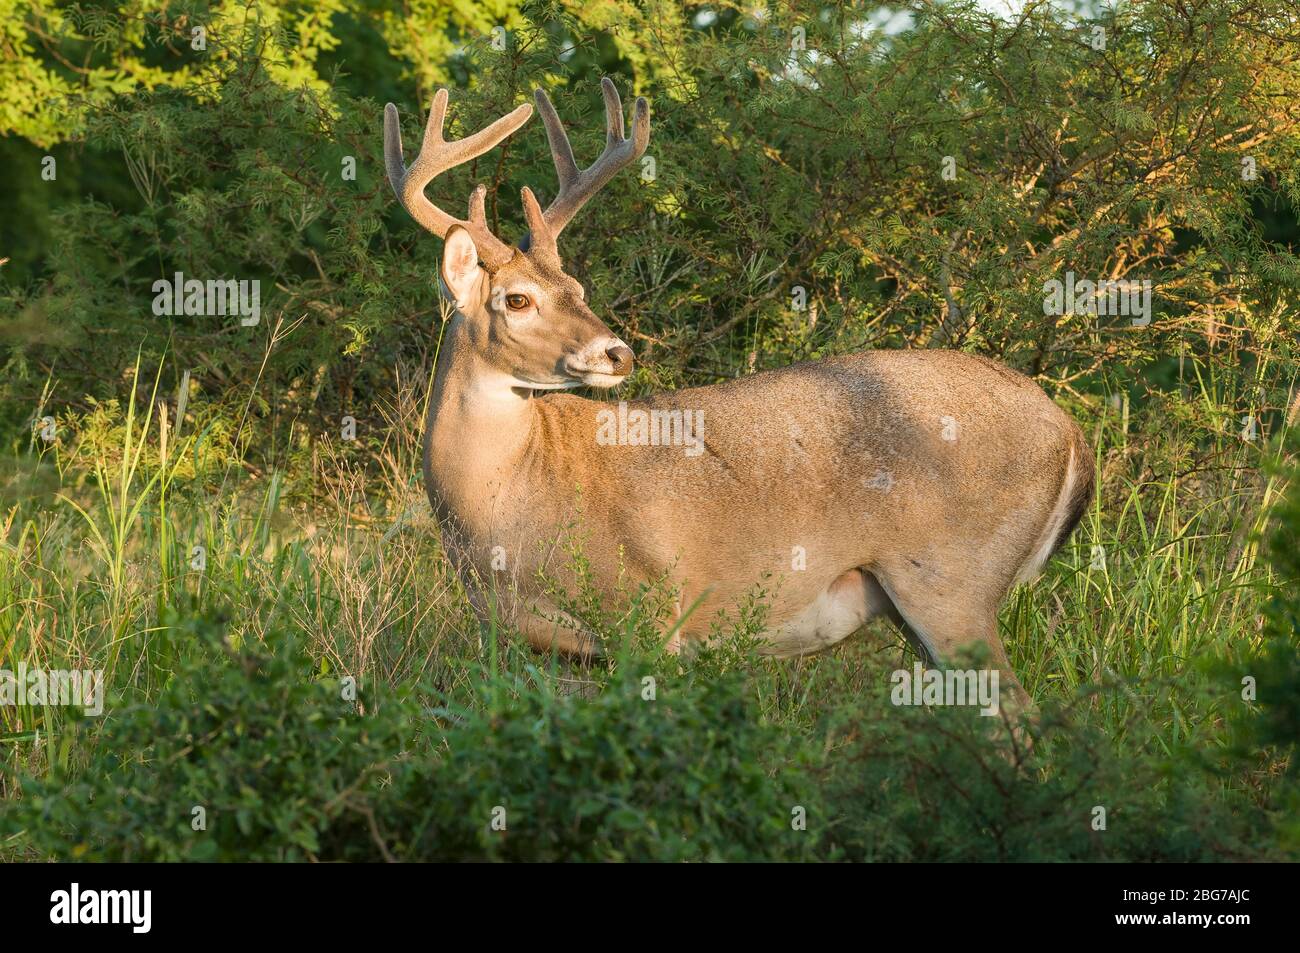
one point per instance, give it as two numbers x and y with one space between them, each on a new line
1276 671
938 785
1279 687
286 769
281 765
688 773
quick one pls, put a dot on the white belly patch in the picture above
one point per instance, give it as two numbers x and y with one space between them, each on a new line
841 609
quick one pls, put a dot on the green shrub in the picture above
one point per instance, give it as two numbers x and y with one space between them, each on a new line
280 763
1276 725
285 769
688 775
940 785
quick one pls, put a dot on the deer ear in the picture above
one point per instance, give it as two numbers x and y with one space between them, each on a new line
460 267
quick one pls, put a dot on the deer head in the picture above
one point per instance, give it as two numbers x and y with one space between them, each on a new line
525 316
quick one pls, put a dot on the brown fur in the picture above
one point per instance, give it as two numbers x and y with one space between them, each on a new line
844 458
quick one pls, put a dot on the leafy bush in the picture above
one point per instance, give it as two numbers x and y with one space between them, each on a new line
690 775
279 762
1279 682
1276 670
285 769
937 785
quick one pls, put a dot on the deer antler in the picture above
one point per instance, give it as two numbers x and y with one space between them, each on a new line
576 187
436 157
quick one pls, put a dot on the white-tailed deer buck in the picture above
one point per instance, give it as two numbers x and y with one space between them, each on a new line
917 484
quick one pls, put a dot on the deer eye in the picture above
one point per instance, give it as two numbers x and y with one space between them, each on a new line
517 302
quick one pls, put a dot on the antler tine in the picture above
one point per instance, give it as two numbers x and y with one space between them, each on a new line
576 187
436 156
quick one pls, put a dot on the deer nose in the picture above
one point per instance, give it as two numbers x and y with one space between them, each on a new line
620 356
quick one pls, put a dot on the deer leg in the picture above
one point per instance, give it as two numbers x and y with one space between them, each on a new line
943 628
557 633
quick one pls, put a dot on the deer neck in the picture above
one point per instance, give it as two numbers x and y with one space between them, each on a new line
478 429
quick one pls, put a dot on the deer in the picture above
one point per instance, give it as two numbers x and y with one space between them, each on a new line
919 485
